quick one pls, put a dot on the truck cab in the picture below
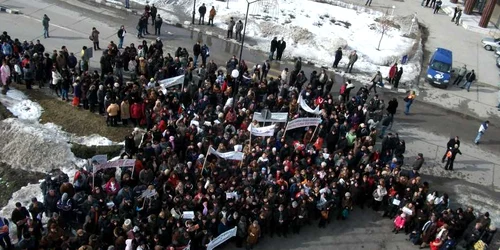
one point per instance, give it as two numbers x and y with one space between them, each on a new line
440 68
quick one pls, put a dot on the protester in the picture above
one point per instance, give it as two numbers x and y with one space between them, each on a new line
205 165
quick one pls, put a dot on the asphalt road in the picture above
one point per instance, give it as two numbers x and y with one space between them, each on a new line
426 129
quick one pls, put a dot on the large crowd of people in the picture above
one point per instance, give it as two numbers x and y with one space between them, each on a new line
284 182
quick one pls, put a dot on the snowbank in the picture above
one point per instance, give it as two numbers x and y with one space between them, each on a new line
314 31
25 109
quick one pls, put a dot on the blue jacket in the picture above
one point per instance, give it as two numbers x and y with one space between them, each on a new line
7 49
3 222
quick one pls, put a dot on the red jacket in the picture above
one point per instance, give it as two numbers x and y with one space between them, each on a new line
112 188
392 71
136 111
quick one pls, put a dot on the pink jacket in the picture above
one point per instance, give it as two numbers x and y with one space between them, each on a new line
4 73
399 222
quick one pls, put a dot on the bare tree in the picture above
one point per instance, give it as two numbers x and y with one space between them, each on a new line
384 23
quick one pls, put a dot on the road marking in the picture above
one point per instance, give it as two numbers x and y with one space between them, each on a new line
55 25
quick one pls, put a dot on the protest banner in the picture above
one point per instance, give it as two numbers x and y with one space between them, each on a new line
275 117
188 215
115 164
99 159
306 107
148 193
170 82
303 122
233 155
221 238
262 131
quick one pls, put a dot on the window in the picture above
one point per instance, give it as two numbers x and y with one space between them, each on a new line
440 66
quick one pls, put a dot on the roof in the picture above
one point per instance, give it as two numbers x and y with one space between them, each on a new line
443 55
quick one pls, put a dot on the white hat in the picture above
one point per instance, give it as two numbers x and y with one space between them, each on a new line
347 194
201 156
117 85
136 229
127 223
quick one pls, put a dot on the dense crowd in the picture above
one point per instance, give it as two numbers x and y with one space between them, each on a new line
284 183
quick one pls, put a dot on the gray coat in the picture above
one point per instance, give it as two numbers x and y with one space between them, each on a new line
231 24
239 27
353 58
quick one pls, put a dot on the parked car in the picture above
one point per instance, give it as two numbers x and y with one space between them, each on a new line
490 43
498 62
440 68
497 52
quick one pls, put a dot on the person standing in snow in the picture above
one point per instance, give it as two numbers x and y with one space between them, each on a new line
398 76
5 76
202 10
353 57
280 49
238 30
392 73
211 16
230 27
338 57
274 46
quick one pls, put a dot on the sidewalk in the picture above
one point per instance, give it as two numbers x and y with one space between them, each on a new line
469 22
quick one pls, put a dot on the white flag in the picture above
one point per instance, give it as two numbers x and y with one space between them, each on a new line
306 107
262 131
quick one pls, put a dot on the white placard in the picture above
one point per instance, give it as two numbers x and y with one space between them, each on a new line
221 239
303 122
188 215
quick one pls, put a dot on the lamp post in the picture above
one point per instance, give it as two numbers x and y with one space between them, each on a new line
194 11
245 28
413 21
392 13
227 6
234 77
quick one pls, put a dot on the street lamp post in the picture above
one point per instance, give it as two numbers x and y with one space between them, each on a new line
241 47
194 12
393 8
245 27
413 21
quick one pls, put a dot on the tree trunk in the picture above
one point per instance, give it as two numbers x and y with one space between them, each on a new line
380 41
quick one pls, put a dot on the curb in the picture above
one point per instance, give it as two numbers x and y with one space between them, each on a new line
116 6
9 10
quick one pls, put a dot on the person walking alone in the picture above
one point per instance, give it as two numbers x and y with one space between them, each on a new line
376 80
457 19
45 23
409 101
437 7
461 73
121 36
202 10
455 12
450 156
230 27
482 129
469 78
94 37
353 57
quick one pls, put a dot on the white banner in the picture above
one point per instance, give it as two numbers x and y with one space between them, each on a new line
233 155
262 131
221 239
303 122
115 164
306 107
275 117
172 81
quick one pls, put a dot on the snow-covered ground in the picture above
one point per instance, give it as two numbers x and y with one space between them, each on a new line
33 146
315 30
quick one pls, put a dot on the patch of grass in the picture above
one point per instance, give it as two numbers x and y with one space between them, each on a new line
86 152
73 120
14 179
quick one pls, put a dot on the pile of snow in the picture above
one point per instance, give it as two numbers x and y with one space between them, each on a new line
25 109
315 30
29 145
